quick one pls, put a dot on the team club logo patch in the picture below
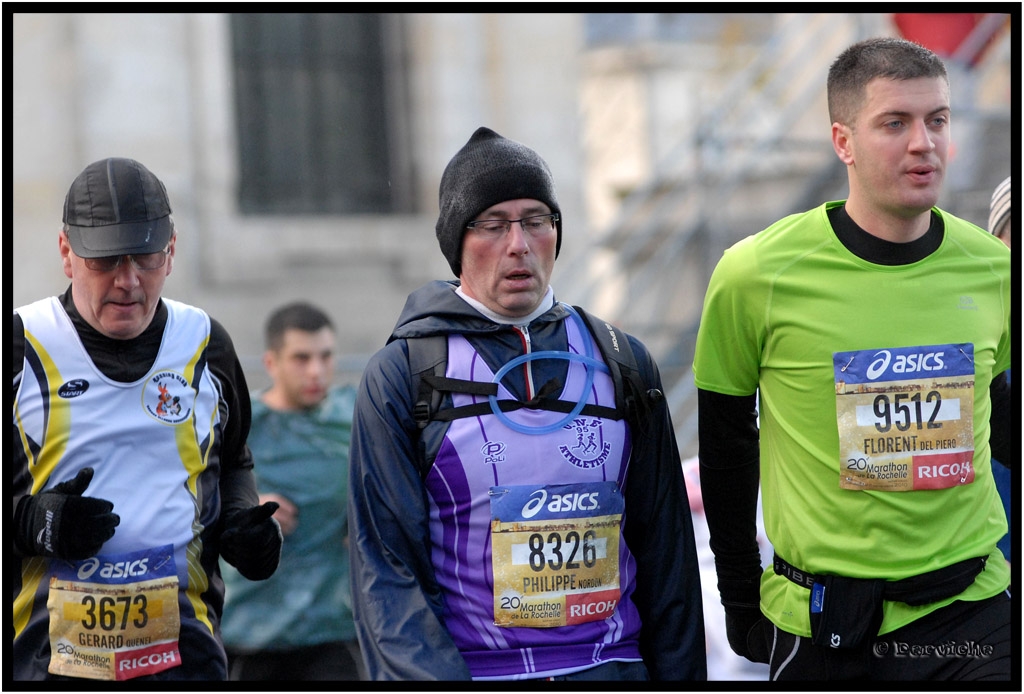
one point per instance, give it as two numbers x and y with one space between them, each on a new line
590 450
73 388
493 452
168 397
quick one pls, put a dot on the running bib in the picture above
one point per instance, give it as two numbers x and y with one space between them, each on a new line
905 417
115 617
555 553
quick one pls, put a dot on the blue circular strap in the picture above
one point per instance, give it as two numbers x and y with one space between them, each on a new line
587 359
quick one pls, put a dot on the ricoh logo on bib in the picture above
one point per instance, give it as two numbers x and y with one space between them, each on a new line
168 397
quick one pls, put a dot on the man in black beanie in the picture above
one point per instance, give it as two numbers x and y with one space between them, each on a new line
517 507
489 169
130 471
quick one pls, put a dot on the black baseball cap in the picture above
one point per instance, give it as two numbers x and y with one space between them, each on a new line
117 207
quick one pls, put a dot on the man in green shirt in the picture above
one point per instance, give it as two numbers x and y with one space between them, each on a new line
870 337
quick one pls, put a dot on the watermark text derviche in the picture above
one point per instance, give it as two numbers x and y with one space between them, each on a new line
949 649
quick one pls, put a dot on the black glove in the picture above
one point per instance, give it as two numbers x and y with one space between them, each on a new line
62 523
739 580
251 541
744 627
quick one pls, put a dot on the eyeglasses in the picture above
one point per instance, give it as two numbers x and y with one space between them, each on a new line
536 226
141 261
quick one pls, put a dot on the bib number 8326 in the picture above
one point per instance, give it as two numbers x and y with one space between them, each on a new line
552 553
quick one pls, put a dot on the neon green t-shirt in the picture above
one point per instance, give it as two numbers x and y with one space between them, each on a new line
873 386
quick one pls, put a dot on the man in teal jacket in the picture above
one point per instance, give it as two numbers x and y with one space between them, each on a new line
299 626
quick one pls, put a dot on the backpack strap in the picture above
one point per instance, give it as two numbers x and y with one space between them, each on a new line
612 342
428 359
618 355
631 392
428 363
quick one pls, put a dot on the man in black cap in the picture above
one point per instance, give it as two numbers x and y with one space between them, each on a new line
517 507
131 472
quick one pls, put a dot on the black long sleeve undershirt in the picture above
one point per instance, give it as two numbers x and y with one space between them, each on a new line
129 360
729 480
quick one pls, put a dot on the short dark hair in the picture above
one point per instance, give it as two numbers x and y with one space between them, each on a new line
299 315
891 58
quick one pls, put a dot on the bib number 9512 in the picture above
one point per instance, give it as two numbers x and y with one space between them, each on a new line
906 411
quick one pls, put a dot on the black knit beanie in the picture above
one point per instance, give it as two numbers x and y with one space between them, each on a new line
489 169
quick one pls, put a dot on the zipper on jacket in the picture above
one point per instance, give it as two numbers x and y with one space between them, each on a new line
524 334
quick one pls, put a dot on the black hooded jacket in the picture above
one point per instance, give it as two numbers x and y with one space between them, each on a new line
397 601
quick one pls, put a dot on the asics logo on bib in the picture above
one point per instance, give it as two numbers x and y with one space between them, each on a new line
904 363
587 501
118 569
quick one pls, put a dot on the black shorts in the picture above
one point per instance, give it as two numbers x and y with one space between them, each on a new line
964 641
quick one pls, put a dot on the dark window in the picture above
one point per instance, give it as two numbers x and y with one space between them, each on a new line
319 116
